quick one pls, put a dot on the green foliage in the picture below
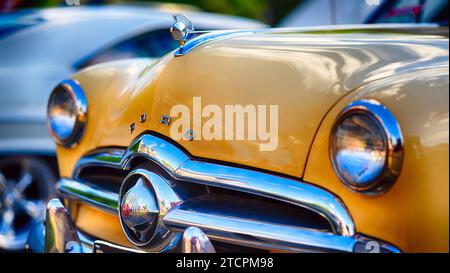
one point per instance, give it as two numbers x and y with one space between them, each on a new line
269 11
41 3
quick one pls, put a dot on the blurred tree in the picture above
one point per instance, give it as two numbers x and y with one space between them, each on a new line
278 9
269 11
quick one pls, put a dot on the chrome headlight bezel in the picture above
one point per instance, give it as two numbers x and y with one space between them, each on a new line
81 110
393 138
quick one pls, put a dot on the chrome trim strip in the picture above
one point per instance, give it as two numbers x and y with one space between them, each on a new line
425 28
258 234
209 37
163 153
74 190
330 29
102 158
275 187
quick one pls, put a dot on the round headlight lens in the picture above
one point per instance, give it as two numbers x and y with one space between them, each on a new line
62 113
359 149
366 147
66 113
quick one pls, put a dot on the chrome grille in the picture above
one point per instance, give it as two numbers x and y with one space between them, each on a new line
232 205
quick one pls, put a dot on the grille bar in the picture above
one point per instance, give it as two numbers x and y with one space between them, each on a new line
247 232
98 197
275 187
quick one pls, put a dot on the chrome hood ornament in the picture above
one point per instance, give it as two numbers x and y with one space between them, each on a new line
183 31
181 28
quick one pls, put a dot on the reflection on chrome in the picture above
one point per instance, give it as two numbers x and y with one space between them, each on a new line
196 241
360 149
60 232
144 199
67 113
366 147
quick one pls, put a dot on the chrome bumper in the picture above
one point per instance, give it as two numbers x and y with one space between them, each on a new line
59 235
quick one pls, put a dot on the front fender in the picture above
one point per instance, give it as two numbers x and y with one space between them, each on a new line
107 88
414 213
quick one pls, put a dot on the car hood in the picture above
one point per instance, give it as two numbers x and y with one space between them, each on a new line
303 75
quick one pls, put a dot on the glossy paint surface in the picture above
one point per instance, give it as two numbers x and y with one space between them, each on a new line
308 76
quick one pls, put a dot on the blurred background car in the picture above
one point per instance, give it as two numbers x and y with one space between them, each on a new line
38 48
331 13
410 11
335 12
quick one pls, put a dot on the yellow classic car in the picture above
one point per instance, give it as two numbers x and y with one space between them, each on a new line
326 139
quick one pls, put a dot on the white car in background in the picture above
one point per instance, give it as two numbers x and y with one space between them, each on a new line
38 48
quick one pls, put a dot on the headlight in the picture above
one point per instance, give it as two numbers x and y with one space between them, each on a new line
366 147
67 113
